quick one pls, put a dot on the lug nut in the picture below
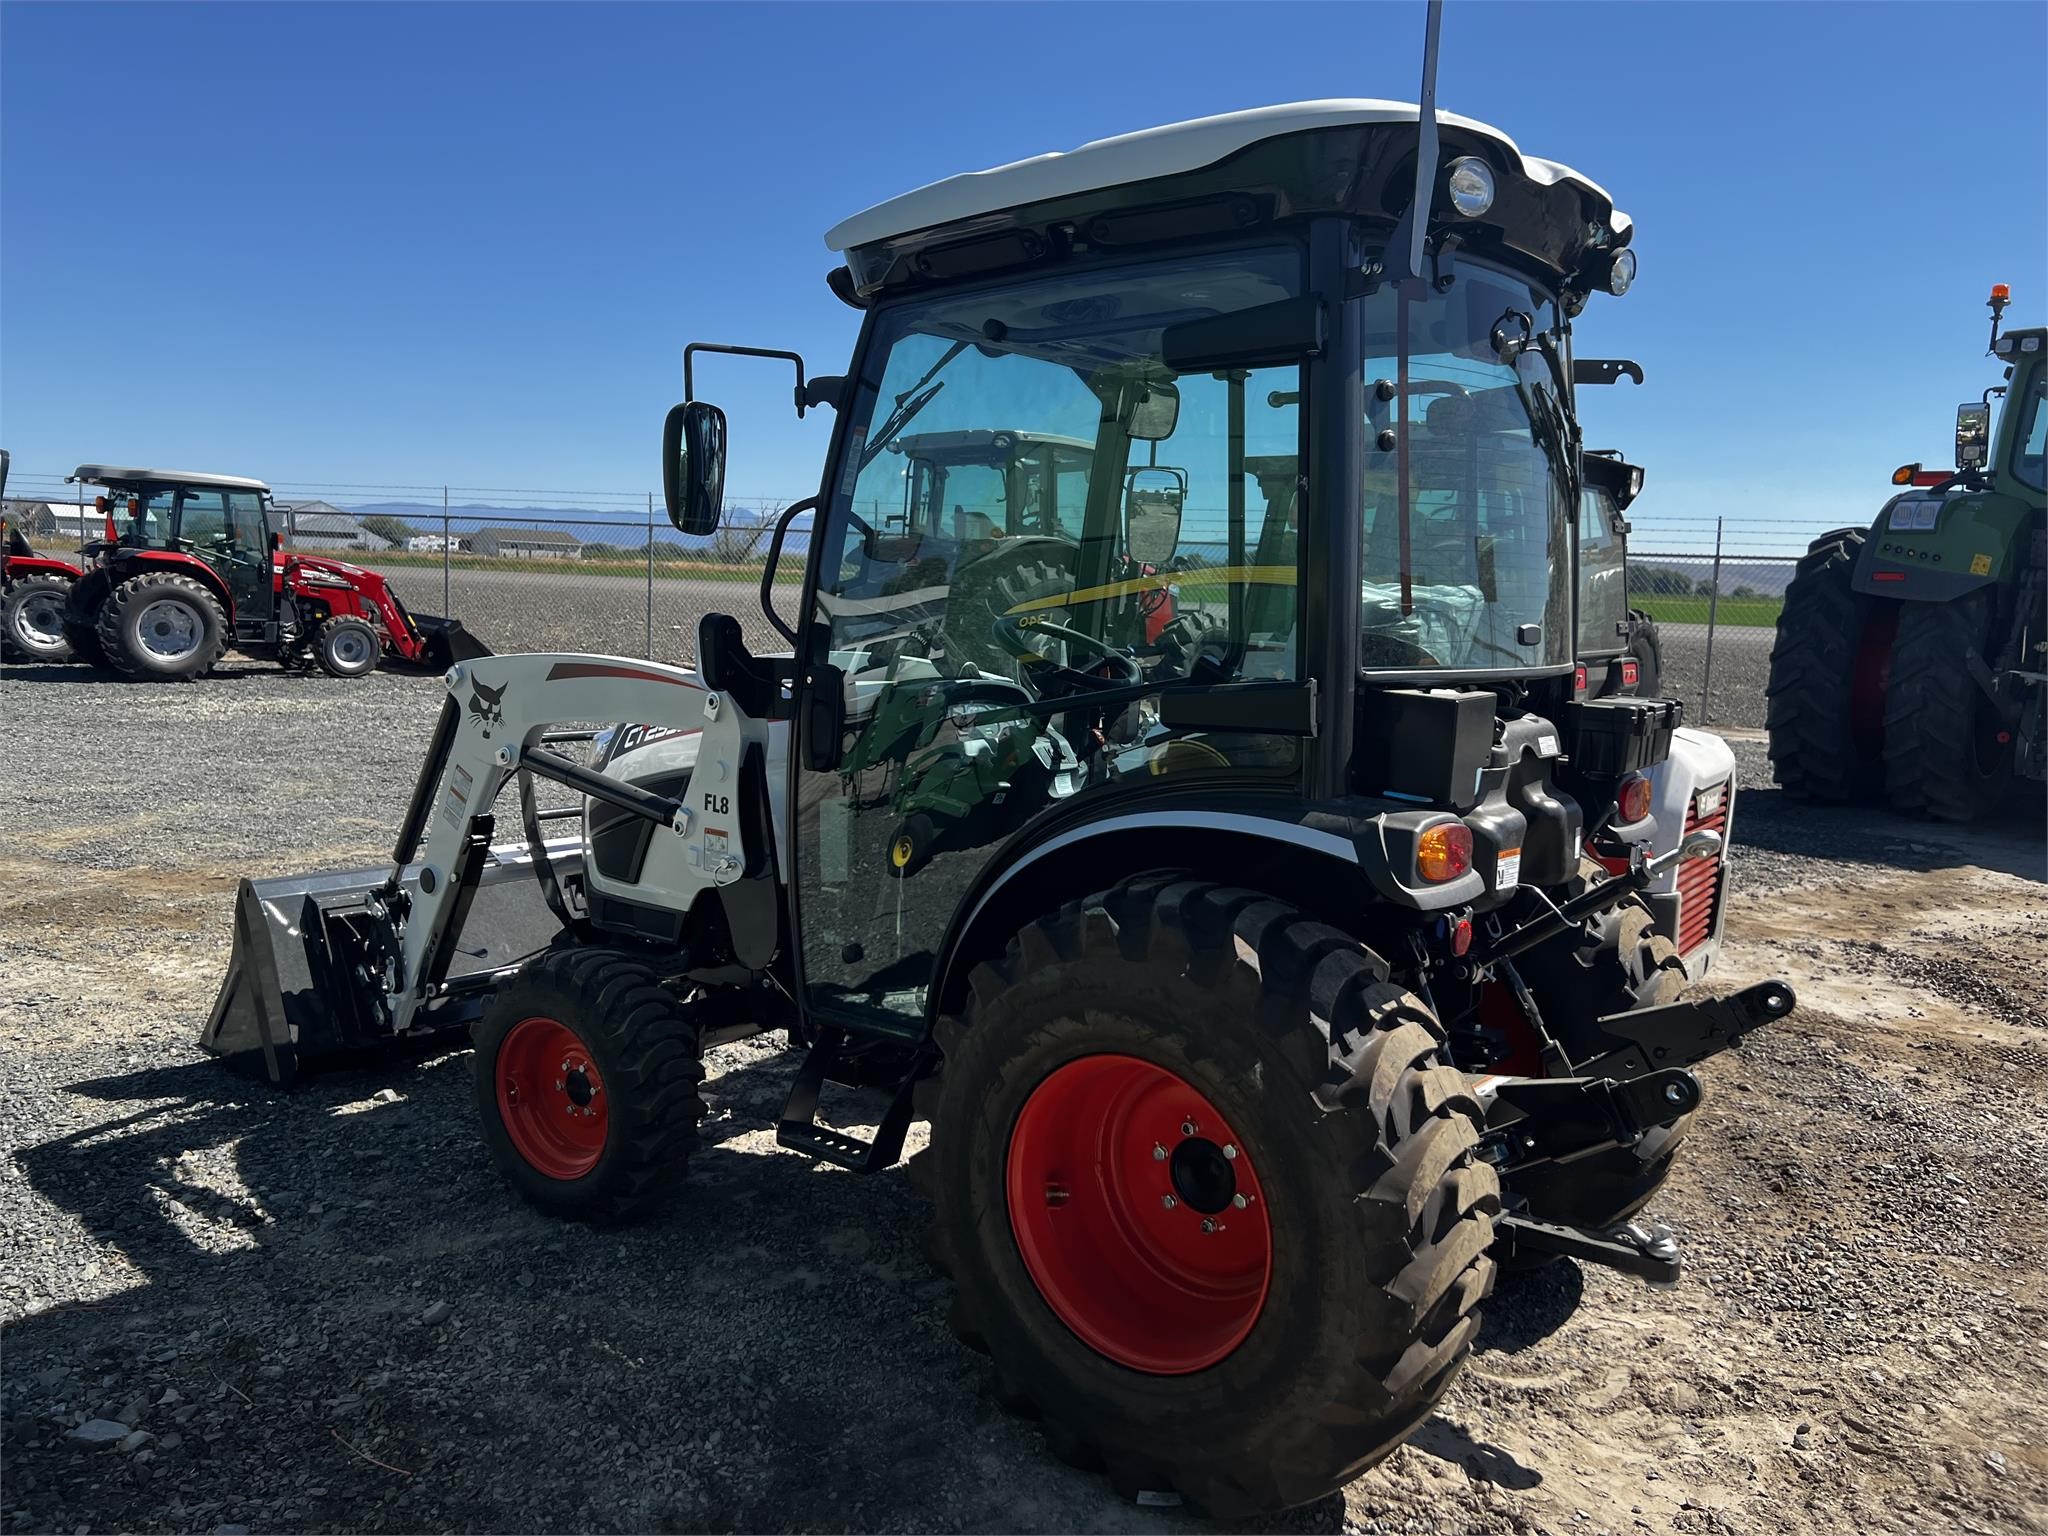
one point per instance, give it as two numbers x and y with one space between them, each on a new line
1158 1153
1240 1201
1229 1150
1209 1224
1168 1202
1188 1127
561 1083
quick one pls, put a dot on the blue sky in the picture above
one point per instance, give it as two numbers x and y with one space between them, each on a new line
415 245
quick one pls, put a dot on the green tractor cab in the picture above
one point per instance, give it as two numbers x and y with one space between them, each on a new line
1919 646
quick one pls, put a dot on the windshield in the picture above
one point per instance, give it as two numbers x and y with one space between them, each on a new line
1466 523
2031 442
1009 444
1603 585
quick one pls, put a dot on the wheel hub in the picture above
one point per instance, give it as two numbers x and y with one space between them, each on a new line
40 620
551 1098
168 628
1138 1214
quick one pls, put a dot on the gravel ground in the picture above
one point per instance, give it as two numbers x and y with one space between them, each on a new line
325 1312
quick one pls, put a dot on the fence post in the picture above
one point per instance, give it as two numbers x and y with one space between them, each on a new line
1713 607
82 540
446 611
650 575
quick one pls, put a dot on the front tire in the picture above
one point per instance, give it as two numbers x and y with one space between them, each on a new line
347 646
162 627
32 618
1215 1043
587 1082
1943 755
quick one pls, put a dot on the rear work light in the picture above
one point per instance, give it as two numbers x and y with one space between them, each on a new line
1444 852
1632 801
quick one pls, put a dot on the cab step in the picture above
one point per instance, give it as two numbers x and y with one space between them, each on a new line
799 1129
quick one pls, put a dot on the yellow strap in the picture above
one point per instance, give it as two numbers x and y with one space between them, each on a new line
1208 576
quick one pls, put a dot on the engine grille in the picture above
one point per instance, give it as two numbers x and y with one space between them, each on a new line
1699 880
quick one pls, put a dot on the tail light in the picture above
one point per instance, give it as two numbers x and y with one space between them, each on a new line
1631 671
1579 678
1444 852
1632 801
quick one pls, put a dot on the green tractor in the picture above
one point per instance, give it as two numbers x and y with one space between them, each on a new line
1921 642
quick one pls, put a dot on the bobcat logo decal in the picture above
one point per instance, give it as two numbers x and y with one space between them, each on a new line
487 704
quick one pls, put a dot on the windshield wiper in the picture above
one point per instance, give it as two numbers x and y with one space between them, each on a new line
908 404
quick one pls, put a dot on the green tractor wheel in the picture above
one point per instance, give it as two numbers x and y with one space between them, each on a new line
1947 750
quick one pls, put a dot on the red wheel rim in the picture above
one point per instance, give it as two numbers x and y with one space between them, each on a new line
1138 1214
551 1098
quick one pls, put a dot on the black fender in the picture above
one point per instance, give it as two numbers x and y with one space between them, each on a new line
1330 860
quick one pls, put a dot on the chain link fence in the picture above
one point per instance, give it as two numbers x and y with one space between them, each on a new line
604 571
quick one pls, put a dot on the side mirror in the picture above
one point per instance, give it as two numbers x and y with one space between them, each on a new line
1154 412
693 466
1973 435
1152 510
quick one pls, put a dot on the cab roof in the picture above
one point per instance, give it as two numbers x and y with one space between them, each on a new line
117 474
1173 149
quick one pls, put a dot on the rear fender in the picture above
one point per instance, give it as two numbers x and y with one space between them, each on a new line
18 566
1934 549
1316 868
127 564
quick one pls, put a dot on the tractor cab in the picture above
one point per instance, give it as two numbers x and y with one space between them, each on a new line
1618 645
220 522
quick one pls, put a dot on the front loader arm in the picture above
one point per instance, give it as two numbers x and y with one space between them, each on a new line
498 709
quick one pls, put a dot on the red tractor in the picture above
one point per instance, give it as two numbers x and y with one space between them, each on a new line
33 590
190 566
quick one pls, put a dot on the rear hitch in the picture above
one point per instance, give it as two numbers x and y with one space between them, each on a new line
1684 1034
1531 1120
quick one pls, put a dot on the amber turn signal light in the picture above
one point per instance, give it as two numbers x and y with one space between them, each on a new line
1633 800
1444 852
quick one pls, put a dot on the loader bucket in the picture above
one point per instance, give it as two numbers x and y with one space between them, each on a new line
302 988
444 642
291 995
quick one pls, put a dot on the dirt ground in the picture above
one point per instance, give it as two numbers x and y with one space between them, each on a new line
325 1312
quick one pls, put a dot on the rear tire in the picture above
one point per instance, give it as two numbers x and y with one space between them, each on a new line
162 627
1942 755
1614 964
32 624
346 646
1282 1384
1825 713
587 1082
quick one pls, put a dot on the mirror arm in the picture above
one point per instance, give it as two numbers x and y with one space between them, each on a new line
690 352
808 504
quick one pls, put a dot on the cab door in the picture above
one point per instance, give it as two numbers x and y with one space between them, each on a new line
971 664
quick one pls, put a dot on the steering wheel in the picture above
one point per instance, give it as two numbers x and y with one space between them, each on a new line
1019 634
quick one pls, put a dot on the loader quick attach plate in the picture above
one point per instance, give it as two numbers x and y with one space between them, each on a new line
303 983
